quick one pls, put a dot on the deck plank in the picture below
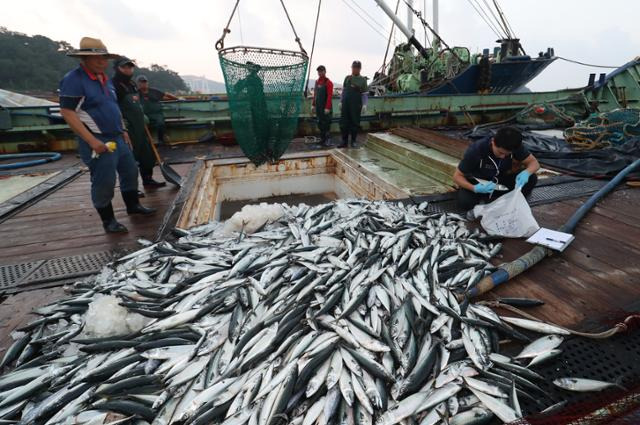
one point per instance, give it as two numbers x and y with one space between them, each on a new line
65 223
593 279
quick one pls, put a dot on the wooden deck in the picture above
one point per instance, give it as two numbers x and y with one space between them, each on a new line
594 281
65 223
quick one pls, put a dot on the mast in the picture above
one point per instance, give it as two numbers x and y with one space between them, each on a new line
402 27
436 25
409 15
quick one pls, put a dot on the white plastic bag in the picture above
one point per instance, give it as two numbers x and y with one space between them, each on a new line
509 216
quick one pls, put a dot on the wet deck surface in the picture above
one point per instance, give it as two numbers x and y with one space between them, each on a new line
65 223
592 284
595 282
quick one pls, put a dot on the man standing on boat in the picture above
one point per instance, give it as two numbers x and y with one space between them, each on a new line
89 105
133 113
152 107
322 97
354 103
500 160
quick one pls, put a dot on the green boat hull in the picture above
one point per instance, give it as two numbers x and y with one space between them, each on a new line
40 128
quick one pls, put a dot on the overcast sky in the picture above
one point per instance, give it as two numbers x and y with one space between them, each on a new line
181 34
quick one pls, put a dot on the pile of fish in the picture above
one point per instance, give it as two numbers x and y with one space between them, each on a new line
346 313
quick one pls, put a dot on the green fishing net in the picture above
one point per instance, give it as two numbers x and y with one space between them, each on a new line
604 129
265 92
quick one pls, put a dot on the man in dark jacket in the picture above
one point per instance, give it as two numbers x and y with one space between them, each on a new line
322 98
89 105
503 160
133 113
151 98
354 102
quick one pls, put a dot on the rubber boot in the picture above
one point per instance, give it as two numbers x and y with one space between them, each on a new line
345 140
109 221
133 204
148 181
326 141
354 140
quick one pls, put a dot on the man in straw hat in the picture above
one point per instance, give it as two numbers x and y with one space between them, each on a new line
89 105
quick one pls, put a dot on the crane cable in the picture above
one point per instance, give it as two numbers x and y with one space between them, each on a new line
501 24
504 19
435 34
226 30
393 27
371 18
313 46
240 26
482 14
286 12
366 21
586 64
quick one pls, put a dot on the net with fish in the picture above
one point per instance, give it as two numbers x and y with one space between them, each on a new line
265 91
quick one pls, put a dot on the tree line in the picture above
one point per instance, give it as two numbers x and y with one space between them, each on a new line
37 63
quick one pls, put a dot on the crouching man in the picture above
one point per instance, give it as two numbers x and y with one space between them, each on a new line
502 159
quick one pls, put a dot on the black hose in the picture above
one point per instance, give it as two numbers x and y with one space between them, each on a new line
509 270
571 224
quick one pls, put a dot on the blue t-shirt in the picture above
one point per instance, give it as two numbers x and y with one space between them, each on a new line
94 101
479 161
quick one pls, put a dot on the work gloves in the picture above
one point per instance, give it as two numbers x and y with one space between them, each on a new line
522 178
487 187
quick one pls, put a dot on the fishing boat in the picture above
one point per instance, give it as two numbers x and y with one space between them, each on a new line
443 70
53 245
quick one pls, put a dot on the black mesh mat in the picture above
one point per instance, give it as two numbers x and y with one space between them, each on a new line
16 278
563 191
616 359
549 190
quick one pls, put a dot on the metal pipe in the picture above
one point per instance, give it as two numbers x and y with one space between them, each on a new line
436 20
402 27
510 270
410 16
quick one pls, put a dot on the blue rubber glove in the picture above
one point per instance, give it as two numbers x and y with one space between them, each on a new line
487 187
522 178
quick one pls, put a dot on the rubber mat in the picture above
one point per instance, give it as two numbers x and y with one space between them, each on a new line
563 191
548 191
16 278
612 360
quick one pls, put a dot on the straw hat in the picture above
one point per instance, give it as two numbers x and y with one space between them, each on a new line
91 47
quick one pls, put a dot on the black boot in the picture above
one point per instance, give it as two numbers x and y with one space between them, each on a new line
354 141
325 140
344 143
133 204
109 220
148 181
